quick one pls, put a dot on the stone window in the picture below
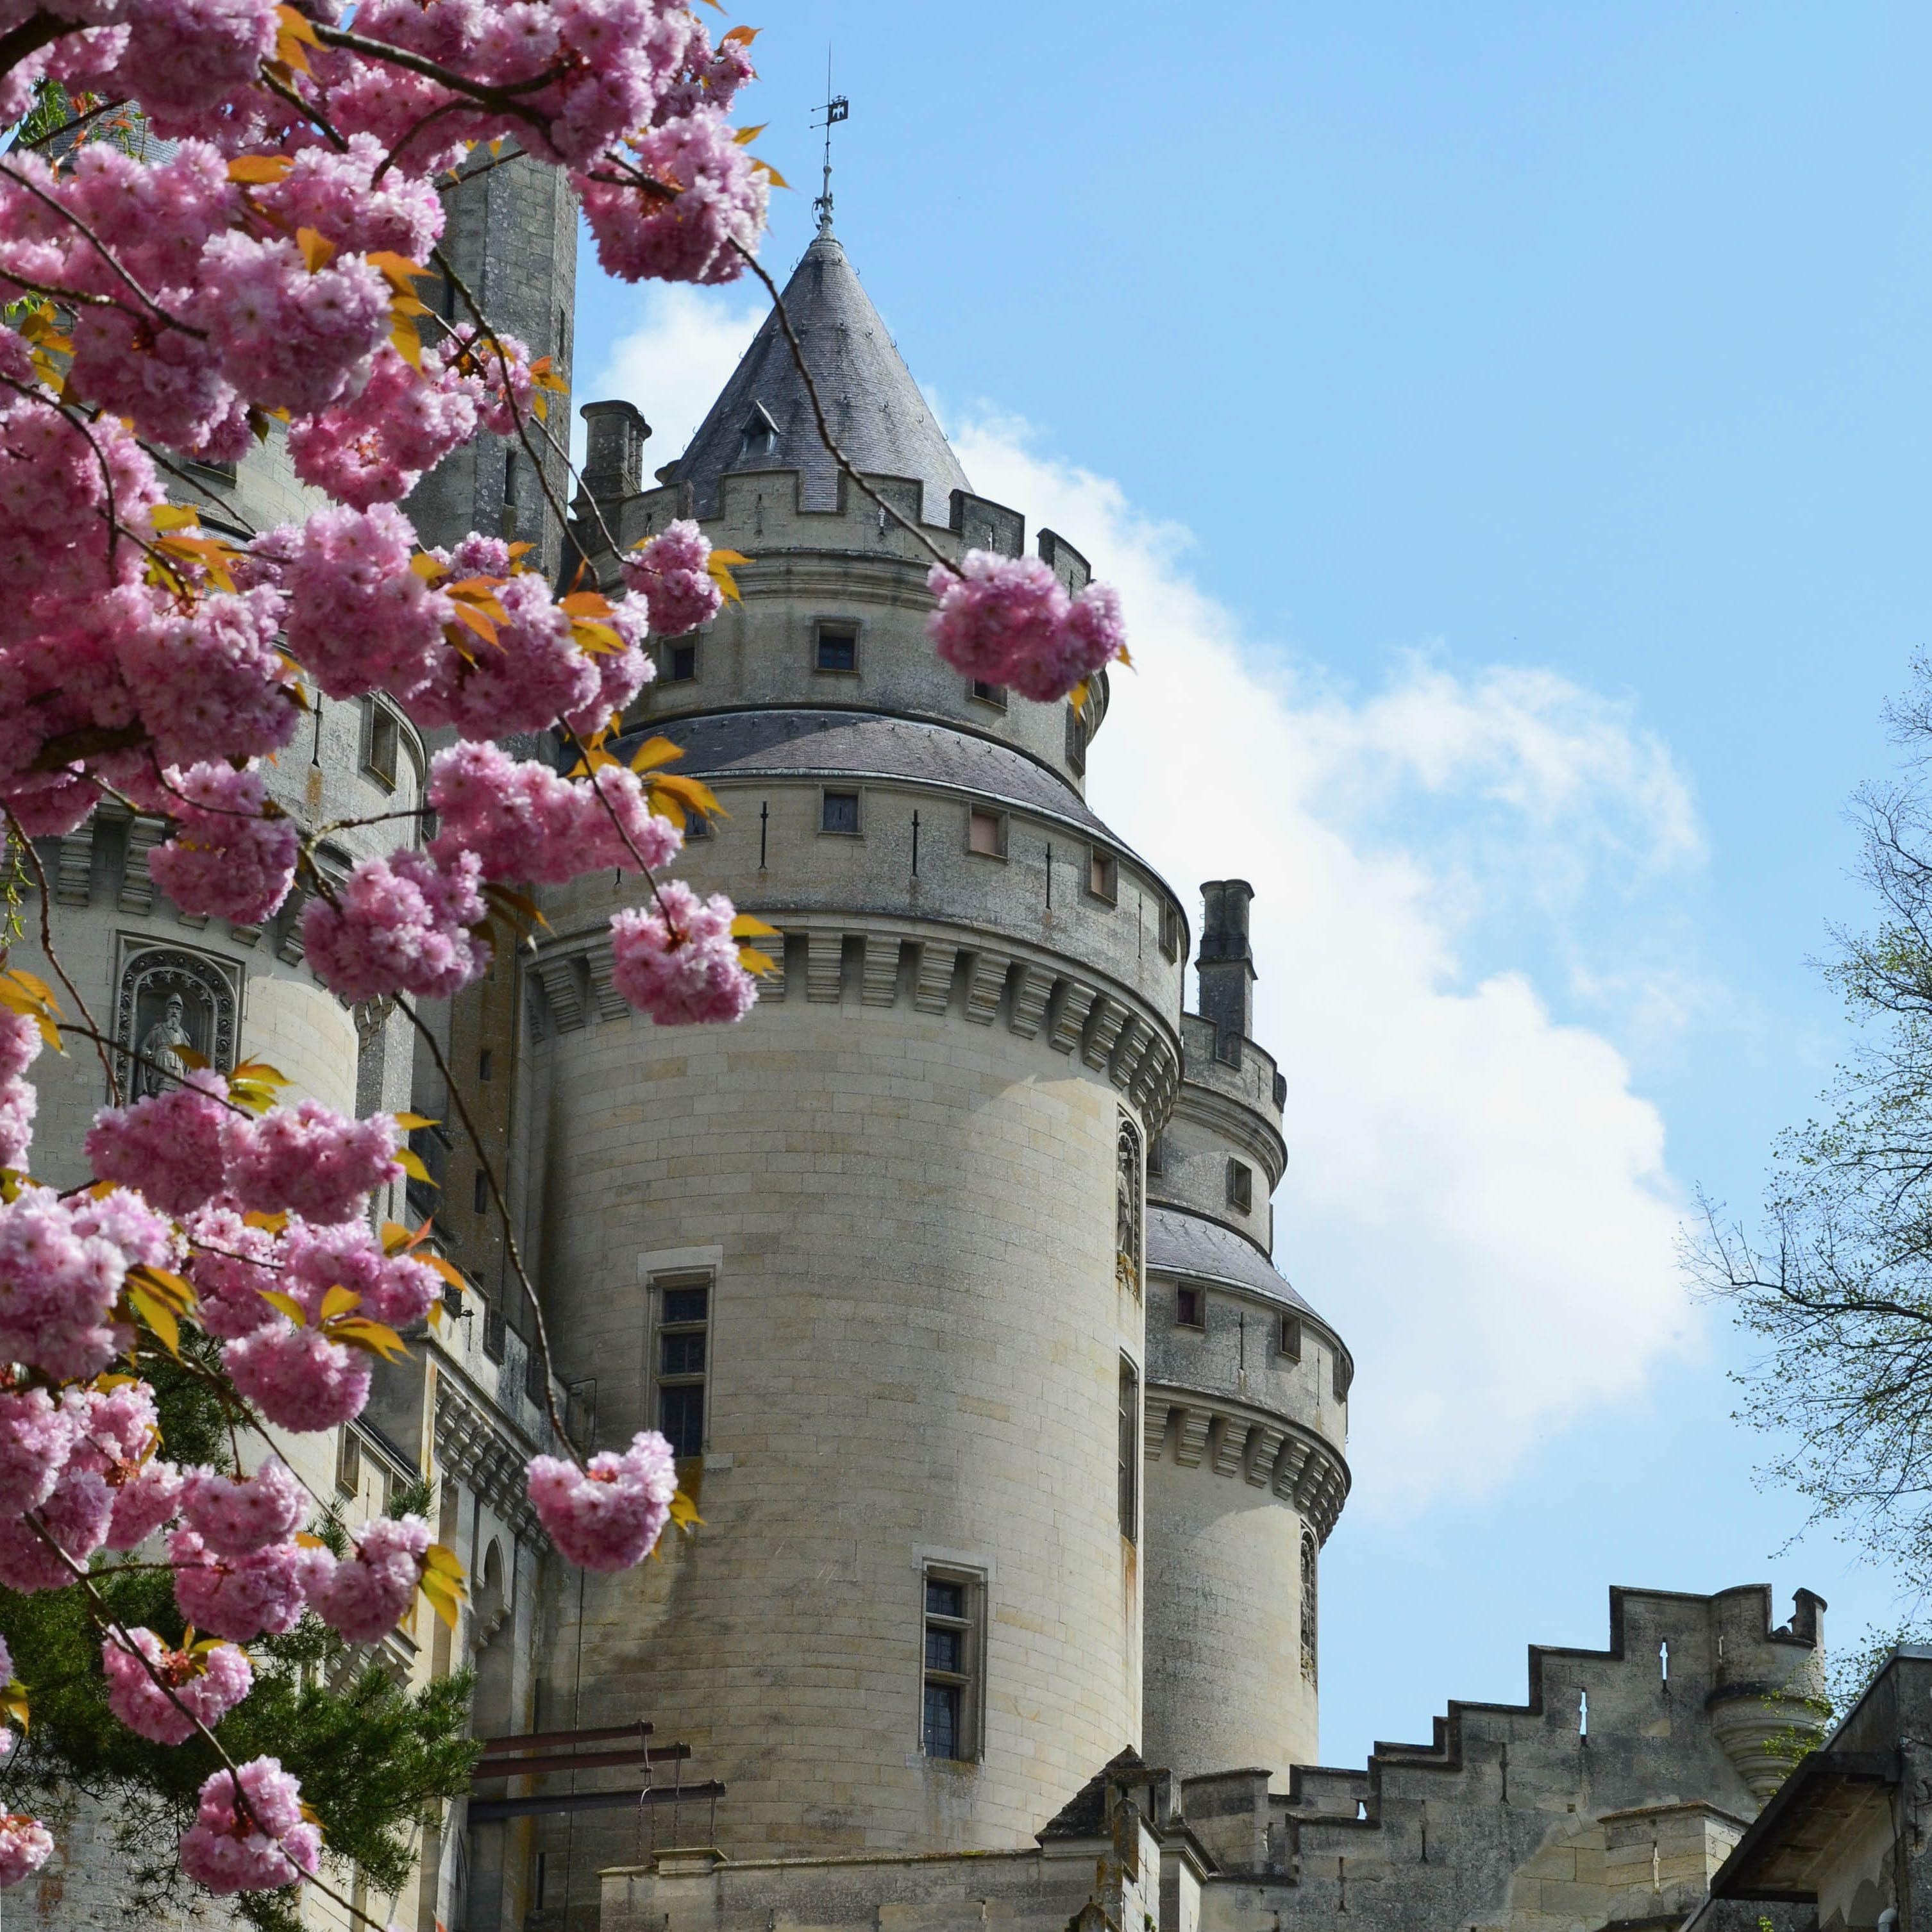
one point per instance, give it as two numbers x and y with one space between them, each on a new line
986 833
683 1362
949 1712
1289 1341
994 694
1130 1450
680 663
696 826
1240 1185
349 1464
1190 1308
835 645
382 740
838 814
1170 929
1345 1374
1103 875
1076 739
1309 1558
480 1192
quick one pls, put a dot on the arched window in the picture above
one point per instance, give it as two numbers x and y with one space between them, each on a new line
1127 1215
1308 1630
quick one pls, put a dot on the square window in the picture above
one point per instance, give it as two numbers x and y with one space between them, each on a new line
696 826
1240 1185
840 814
945 1599
1288 1342
994 694
1103 877
680 663
686 1304
836 647
986 834
1189 1308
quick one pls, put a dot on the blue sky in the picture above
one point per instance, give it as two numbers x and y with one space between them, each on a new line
1511 427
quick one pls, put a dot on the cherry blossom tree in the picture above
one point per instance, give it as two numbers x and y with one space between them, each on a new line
266 268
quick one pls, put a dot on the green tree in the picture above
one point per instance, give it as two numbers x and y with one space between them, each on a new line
371 1757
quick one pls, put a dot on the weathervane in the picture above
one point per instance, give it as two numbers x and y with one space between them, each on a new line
837 108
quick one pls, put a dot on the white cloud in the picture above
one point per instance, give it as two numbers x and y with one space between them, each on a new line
1476 1196
674 361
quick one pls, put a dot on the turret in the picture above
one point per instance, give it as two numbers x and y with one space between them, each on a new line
873 1258
1247 1403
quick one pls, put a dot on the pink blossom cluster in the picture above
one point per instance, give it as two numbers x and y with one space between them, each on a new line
298 1377
309 1160
403 925
1009 620
394 1289
369 1593
206 1687
260 1844
251 1594
235 1516
20 1047
233 853
677 960
375 446
25 1845
608 1516
116 1433
523 821
693 234
169 1145
62 1262
669 571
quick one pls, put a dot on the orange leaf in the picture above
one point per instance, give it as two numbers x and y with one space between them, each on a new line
318 251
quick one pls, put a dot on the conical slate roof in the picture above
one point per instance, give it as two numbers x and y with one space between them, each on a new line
764 418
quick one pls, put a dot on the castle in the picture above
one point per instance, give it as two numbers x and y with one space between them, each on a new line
948 1271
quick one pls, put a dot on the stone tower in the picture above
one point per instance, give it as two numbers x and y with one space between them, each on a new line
1247 1402
873 1257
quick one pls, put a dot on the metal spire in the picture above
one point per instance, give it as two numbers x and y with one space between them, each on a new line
837 108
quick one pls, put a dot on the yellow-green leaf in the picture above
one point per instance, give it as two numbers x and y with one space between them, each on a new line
747 925
317 249
654 752
412 1120
360 1332
158 1314
287 1304
411 1163
340 1300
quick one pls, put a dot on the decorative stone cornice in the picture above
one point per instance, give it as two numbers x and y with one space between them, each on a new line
473 1445
1269 1452
934 970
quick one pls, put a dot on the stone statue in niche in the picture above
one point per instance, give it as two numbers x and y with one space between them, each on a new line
1127 1208
161 1065
176 1010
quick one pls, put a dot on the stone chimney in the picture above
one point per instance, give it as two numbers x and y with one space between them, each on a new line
614 460
1226 965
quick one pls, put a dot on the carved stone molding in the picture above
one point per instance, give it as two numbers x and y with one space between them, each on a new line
1269 1452
472 1446
1106 1026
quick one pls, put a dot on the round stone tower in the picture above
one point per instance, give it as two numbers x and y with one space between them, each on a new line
872 1257
1247 1403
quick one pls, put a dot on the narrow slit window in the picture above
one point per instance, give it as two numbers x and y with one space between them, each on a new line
349 1465
1190 1308
1103 876
950 1713
840 814
837 647
683 1364
1076 740
1130 1450
1288 1342
1345 1374
1241 1187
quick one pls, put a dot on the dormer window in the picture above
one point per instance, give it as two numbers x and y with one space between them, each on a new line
761 433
